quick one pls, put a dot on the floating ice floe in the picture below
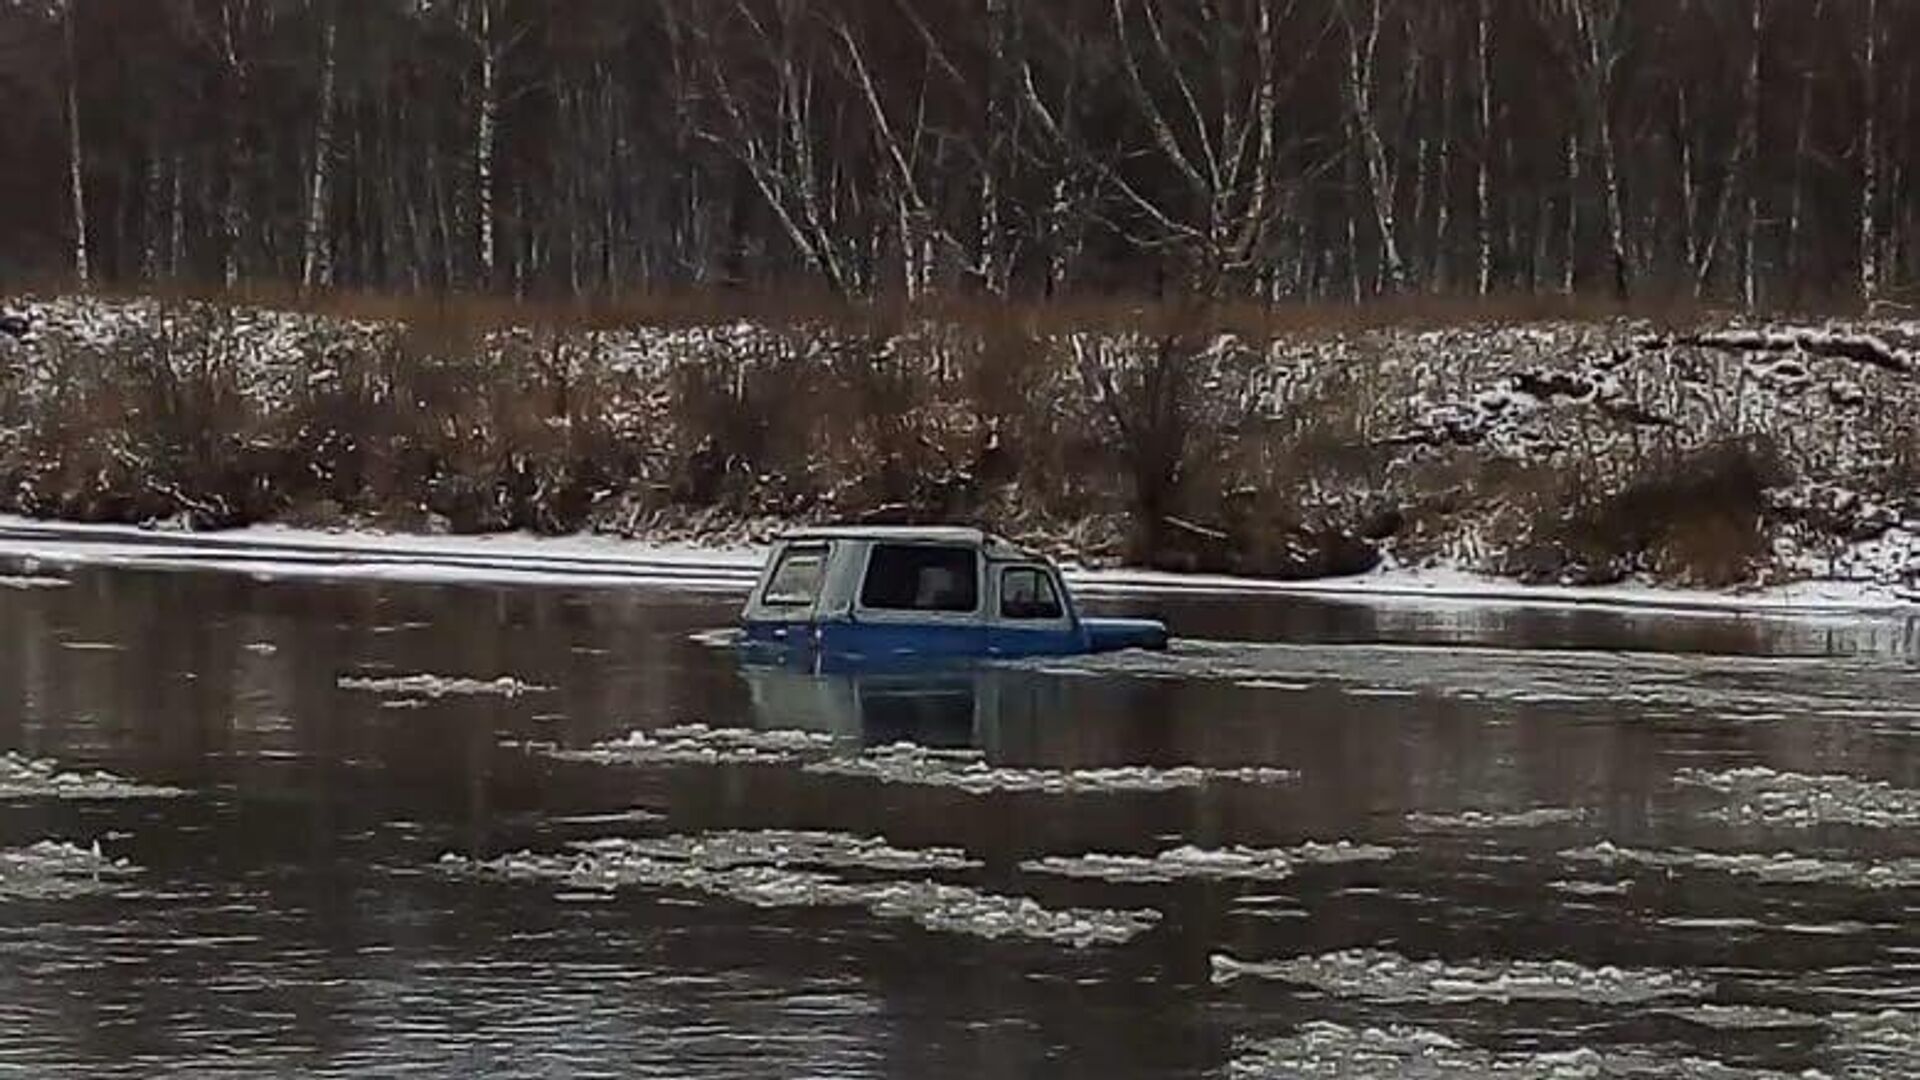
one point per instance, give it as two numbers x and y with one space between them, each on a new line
784 848
901 763
1876 1045
1322 1050
1742 1017
1591 888
53 870
968 771
1775 869
1471 820
23 583
1762 796
23 777
439 686
1378 975
716 866
698 744
1187 862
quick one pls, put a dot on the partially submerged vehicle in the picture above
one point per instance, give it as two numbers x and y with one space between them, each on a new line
885 593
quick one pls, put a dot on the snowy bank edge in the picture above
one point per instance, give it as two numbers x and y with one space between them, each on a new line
280 552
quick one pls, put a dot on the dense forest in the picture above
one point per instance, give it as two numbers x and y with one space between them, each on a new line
1759 152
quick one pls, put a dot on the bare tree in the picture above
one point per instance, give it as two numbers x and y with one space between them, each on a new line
315 265
1364 21
1869 152
76 164
1592 36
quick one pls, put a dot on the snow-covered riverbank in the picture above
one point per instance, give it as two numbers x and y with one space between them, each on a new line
1776 464
276 552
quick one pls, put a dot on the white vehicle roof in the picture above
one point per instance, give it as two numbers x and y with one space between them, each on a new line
994 547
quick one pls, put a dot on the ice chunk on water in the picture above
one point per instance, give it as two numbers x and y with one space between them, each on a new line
779 847
906 763
902 763
756 869
439 686
23 777
1878 1044
1762 796
1774 869
52 870
1379 975
23 583
1472 820
1322 1050
1186 862
1742 1017
698 744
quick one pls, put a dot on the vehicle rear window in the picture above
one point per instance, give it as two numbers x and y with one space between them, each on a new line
796 580
921 577
1027 592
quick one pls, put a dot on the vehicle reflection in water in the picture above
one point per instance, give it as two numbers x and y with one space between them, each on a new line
950 706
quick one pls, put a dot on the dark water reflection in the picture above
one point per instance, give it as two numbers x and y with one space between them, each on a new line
288 918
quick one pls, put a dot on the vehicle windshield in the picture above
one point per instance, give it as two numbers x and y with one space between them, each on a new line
796 580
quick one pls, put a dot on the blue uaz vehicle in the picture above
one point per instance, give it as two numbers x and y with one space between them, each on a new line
883 594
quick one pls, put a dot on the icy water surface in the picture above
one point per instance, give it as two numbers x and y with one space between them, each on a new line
274 828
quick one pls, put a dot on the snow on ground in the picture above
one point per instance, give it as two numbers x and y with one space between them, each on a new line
274 552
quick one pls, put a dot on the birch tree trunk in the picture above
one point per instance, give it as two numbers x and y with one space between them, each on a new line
486 122
1750 160
1362 49
316 269
1869 162
76 163
1483 180
995 260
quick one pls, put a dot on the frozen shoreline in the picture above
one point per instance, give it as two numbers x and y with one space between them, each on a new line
278 552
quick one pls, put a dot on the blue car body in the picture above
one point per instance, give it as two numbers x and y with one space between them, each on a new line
883 594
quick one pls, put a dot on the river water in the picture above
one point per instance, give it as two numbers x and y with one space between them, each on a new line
365 828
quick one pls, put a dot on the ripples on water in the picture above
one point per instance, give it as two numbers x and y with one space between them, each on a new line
342 830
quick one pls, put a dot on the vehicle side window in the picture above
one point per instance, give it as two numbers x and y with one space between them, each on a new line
796 581
1027 592
921 577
